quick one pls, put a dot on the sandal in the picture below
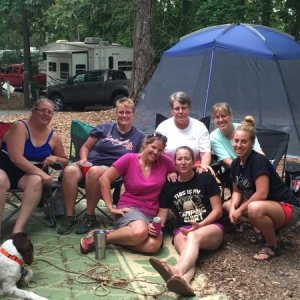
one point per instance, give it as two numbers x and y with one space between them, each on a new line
267 253
179 286
161 267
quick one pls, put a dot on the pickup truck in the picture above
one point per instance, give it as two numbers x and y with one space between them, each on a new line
89 88
14 74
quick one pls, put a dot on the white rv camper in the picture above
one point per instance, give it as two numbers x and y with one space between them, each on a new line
64 59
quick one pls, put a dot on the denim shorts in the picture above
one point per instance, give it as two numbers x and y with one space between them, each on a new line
134 215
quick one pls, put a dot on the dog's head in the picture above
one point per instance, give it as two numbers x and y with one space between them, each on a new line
24 246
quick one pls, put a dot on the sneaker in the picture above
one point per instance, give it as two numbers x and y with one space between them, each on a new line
87 243
88 223
67 225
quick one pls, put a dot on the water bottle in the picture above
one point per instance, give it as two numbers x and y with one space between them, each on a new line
157 225
100 243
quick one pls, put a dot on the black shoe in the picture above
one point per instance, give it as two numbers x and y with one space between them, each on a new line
67 225
88 223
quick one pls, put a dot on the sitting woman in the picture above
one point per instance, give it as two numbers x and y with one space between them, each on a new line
28 146
195 200
182 130
221 139
107 143
144 175
258 192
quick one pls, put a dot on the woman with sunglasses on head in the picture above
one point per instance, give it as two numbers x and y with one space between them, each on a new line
144 175
258 192
27 147
196 203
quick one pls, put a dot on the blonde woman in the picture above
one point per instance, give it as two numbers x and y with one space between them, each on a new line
258 192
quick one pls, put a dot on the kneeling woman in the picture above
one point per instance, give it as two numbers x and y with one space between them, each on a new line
144 175
195 200
267 201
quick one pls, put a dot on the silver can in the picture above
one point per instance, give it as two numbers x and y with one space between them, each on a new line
100 243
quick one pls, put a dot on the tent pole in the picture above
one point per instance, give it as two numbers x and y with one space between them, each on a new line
209 78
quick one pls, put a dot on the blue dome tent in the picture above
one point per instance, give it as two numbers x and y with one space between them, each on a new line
256 69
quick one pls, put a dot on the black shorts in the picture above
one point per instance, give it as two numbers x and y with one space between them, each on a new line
14 174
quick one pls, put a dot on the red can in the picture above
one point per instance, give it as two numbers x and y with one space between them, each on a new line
157 225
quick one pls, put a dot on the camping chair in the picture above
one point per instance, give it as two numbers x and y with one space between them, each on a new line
274 144
79 133
14 195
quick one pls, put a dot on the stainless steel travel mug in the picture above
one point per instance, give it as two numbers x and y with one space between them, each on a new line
100 243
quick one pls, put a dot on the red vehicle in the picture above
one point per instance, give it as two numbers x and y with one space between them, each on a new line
14 74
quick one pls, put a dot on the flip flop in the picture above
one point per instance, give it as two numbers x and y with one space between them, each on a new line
161 267
178 285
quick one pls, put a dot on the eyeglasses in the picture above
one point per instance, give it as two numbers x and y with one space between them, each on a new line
124 112
45 111
158 135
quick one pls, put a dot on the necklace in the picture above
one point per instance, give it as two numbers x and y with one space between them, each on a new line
143 164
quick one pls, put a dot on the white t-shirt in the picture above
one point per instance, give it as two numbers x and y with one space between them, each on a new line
195 136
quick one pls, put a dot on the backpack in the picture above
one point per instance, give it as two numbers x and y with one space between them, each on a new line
57 201
292 177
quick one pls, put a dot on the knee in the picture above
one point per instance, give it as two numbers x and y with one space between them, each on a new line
193 237
254 210
71 173
140 233
35 182
4 181
94 173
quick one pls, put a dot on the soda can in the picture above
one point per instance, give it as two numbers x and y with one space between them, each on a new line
157 225
100 243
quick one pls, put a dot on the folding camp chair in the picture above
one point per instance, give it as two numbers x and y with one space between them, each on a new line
79 133
274 144
14 195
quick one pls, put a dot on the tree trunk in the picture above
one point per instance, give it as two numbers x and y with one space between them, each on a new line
143 49
27 76
267 7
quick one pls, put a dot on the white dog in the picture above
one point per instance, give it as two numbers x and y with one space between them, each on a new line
14 254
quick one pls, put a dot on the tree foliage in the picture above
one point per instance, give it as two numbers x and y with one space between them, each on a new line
113 20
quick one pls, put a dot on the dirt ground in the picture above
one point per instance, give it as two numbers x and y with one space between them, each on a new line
231 270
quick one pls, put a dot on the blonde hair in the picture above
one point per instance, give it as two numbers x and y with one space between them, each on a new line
221 107
126 101
248 125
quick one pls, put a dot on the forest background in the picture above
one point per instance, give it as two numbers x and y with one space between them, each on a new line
149 26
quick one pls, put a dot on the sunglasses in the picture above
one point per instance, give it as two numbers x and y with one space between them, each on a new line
158 136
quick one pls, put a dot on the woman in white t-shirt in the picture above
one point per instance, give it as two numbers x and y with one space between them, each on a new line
182 130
